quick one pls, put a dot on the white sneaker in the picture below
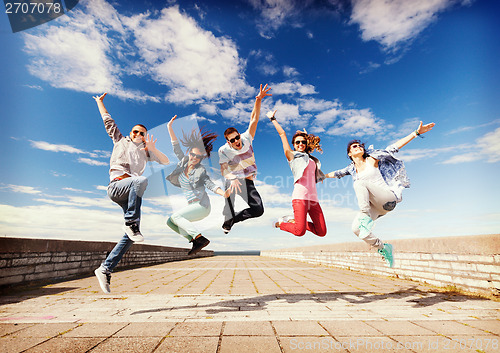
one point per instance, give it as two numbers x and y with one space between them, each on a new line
286 219
104 278
133 232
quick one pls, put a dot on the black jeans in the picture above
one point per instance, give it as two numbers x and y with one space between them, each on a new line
251 196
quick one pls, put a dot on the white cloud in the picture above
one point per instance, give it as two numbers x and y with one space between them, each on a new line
94 47
276 13
20 189
470 128
292 88
289 71
396 21
46 146
489 146
193 62
486 148
92 162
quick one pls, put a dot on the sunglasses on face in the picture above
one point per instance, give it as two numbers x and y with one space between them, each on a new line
194 155
298 142
135 132
356 146
234 139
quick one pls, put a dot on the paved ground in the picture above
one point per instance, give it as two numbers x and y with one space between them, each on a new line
246 304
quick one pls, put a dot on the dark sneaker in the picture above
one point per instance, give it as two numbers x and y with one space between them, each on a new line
386 252
104 278
198 244
227 225
133 232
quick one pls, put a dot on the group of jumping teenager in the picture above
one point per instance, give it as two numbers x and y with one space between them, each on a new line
379 178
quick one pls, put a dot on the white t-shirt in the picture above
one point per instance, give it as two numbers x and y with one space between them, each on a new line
241 163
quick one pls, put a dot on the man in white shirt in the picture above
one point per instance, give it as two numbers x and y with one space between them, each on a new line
237 162
127 185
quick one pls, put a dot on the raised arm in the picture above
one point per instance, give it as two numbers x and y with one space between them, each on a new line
422 129
286 146
100 104
109 123
254 117
173 138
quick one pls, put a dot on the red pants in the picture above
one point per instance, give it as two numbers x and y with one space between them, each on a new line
300 210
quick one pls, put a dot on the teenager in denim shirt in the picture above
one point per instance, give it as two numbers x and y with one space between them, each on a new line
379 179
306 173
192 178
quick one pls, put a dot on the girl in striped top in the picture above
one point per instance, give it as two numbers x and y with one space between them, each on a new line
193 179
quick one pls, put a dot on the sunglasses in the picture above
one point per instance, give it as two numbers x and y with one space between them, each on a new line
234 139
194 155
298 142
135 132
356 146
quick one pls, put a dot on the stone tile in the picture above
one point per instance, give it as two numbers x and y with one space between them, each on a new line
66 345
447 328
191 344
489 326
399 327
262 328
249 344
370 344
128 344
146 329
14 344
95 330
430 344
349 328
193 329
6 329
310 344
298 328
46 330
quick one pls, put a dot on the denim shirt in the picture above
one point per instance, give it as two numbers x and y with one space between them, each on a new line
392 169
198 176
299 163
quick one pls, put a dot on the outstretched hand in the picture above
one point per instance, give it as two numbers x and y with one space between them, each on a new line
235 185
263 92
150 143
422 129
100 98
270 114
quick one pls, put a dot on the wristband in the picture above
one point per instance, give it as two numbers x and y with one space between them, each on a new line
272 118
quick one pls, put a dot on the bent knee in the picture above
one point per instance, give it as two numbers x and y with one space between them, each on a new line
257 211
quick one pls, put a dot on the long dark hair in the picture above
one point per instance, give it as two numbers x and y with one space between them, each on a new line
197 139
312 141
352 142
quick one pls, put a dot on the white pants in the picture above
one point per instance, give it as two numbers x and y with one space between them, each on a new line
374 201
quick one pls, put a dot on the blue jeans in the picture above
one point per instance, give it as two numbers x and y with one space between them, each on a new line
128 194
117 253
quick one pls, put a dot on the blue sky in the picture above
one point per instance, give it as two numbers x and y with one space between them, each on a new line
363 69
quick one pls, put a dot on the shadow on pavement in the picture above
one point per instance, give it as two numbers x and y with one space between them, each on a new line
418 297
18 295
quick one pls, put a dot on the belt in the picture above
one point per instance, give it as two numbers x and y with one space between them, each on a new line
194 200
118 178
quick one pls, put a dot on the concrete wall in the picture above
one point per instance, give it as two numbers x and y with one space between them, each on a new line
470 262
33 261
